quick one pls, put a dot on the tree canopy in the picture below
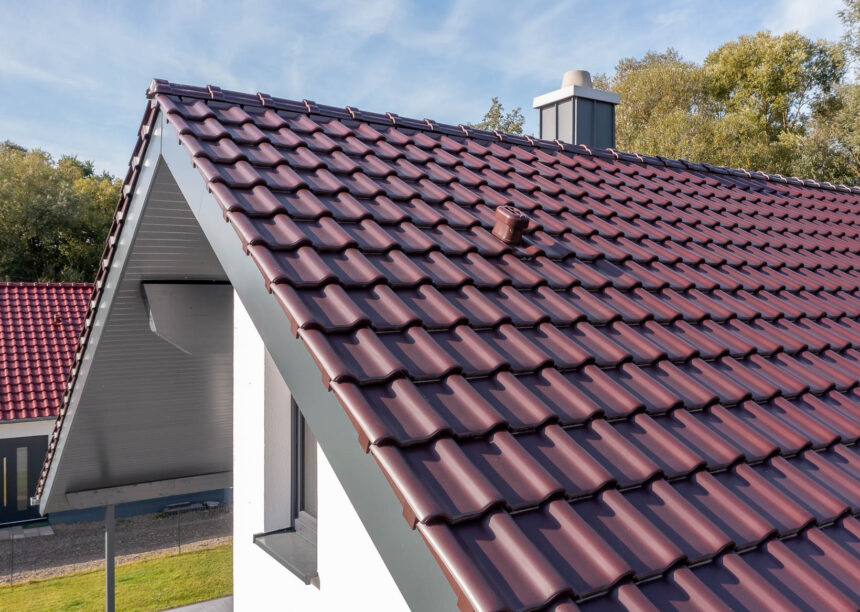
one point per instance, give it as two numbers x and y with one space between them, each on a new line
54 215
497 119
778 80
850 17
778 103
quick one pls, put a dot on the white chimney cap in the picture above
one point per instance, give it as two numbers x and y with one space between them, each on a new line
582 78
576 83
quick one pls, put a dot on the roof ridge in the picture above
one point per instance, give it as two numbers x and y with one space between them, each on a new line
263 100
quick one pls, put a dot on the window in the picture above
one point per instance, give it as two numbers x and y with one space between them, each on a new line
21 465
305 466
290 482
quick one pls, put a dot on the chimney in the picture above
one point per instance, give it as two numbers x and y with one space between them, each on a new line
578 113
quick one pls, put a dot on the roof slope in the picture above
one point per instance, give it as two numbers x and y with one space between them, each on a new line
650 402
39 328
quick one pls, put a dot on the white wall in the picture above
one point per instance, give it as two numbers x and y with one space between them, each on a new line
25 428
351 571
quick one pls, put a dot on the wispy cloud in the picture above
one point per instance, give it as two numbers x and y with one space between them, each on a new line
816 19
72 76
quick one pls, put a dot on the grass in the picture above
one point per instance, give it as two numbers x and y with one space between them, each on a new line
152 584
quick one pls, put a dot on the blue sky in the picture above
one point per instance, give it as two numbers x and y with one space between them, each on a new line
73 75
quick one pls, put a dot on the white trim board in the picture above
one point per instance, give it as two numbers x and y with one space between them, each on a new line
26 428
576 91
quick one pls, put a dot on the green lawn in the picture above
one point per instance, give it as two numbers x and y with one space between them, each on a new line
153 584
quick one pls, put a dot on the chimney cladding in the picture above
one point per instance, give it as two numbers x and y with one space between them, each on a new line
577 113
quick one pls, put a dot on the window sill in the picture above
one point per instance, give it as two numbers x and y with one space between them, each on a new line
295 548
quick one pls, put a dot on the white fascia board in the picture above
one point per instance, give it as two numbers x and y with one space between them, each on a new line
26 428
50 499
577 91
407 557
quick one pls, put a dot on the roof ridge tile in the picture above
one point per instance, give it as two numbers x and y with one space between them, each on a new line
162 86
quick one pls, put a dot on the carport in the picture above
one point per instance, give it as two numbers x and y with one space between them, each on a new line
150 408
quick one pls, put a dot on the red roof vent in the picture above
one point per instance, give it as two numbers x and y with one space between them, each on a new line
510 223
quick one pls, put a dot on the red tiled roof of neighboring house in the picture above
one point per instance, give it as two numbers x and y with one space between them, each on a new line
650 402
39 328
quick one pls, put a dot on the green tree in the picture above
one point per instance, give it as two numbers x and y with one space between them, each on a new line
664 105
497 119
54 215
778 80
850 17
831 147
753 103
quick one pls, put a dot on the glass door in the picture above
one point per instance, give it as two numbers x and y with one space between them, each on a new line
20 462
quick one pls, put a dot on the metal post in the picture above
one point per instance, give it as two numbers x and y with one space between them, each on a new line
109 558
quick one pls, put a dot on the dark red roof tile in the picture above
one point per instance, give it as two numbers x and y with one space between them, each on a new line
694 534
513 470
808 493
647 549
709 442
773 578
782 511
574 548
623 460
578 472
438 481
522 407
491 552
362 357
669 453
725 509
824 468
592 385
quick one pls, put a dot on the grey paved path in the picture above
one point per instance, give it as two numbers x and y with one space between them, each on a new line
224 604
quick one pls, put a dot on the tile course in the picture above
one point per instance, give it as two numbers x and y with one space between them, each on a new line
650 402
39 328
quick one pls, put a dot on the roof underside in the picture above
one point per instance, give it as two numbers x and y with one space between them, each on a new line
39 328
149 411
651 402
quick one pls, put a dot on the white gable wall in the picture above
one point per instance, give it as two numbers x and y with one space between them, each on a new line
351 571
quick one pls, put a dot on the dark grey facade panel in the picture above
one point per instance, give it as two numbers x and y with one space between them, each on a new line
565 121
581 121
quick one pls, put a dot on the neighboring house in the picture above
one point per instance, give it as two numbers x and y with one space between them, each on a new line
552 375
40 324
